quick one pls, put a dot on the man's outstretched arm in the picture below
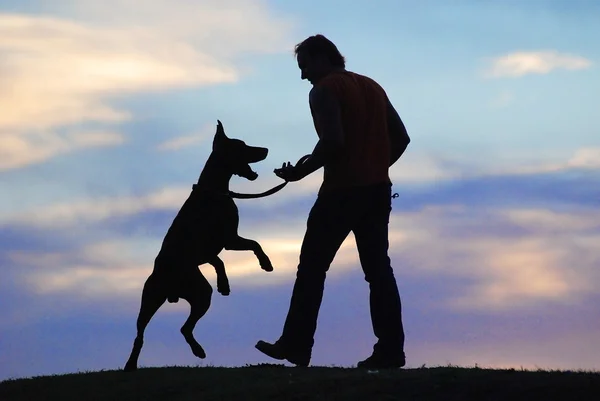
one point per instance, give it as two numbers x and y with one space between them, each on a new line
399 138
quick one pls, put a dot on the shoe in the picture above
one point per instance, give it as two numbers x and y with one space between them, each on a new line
279 352
380 361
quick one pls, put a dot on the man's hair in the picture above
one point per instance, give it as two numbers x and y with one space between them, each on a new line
320 45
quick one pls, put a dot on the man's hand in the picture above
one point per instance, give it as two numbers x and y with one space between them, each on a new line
289 173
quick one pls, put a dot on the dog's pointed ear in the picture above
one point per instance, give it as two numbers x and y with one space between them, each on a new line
219 135
220 129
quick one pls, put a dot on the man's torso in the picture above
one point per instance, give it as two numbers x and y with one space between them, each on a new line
364 159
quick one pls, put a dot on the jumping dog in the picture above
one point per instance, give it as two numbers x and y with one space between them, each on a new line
206 224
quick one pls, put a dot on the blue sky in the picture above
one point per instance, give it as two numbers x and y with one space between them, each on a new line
108 115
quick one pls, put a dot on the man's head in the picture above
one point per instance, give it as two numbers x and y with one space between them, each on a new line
317 56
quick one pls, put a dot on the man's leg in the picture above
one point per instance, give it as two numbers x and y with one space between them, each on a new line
371 233
327 227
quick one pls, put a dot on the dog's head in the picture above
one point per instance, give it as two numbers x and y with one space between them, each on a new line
237 155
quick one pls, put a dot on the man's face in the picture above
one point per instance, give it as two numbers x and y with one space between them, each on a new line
312 68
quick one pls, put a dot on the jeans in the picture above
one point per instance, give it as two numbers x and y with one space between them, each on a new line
365 211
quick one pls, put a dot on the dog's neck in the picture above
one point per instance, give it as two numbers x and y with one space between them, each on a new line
215 176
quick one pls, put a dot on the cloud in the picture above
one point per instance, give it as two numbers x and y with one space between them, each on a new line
414 169
508 257
91 210
586 159
181 142
21 150
184 141
63 69
98 269
519 64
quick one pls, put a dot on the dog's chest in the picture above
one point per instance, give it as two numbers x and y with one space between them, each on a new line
210 210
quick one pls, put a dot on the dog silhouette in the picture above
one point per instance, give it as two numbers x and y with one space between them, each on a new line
206 224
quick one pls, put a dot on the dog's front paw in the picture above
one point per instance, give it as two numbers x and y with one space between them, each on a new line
223 288
265 264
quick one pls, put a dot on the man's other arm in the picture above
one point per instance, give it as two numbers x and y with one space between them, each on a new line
399 138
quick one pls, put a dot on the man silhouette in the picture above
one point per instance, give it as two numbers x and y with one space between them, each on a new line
360 137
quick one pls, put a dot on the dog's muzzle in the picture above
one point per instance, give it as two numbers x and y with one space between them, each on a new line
256 154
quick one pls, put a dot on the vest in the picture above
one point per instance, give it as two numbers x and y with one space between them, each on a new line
365 157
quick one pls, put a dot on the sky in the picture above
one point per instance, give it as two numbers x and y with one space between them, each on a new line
108 112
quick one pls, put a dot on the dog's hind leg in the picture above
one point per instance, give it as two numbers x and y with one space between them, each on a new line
222 280
238 243
198 294
152 299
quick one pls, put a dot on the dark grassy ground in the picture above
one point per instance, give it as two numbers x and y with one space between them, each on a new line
276 382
